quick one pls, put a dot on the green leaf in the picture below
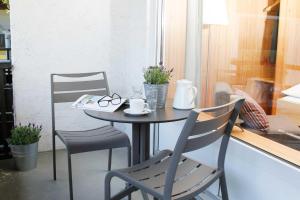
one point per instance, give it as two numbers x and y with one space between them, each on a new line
157 75
22 135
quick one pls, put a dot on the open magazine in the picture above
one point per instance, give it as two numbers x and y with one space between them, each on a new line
90 102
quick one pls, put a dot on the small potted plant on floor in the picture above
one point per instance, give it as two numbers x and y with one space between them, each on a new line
157 78
24 145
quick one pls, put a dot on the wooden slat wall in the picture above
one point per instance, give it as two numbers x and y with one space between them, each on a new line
175 39
239 50
288 50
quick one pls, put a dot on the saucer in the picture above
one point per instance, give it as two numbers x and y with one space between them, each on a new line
144 112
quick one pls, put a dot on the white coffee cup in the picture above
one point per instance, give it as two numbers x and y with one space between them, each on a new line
137 105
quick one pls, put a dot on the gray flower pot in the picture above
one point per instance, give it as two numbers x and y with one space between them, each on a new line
162 91
25 156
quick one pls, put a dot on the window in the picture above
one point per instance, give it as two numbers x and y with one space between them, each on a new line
251 46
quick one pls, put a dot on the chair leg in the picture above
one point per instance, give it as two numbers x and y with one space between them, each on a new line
223 187
109 159
54 156
70 176
126 187
129 196
129 156
107 187
129 164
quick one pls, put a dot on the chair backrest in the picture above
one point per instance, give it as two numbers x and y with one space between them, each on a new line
198 134
223 91
72 86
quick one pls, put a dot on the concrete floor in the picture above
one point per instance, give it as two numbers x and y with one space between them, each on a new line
89 170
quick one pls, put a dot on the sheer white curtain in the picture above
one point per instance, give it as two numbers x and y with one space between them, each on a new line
193 44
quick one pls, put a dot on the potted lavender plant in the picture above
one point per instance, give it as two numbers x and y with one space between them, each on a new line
24 145
157 78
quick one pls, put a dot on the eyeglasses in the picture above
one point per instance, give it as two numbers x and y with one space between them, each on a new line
114 99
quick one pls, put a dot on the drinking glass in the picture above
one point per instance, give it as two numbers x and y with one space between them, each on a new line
137 92
152 99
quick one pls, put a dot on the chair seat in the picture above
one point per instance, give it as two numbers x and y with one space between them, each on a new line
150 176
106 137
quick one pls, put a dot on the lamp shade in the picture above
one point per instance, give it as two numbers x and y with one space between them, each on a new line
215 12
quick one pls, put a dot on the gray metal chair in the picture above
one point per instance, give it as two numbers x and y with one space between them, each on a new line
170 175
106 137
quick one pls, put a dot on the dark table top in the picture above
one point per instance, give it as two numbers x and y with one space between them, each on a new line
167 114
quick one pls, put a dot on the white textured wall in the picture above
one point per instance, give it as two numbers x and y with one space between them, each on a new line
70 36
251 174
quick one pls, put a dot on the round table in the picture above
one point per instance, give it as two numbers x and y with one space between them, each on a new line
141 126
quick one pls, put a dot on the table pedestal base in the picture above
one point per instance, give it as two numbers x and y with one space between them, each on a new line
140 142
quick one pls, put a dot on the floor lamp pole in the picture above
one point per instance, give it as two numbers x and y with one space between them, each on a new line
162 32
207 66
